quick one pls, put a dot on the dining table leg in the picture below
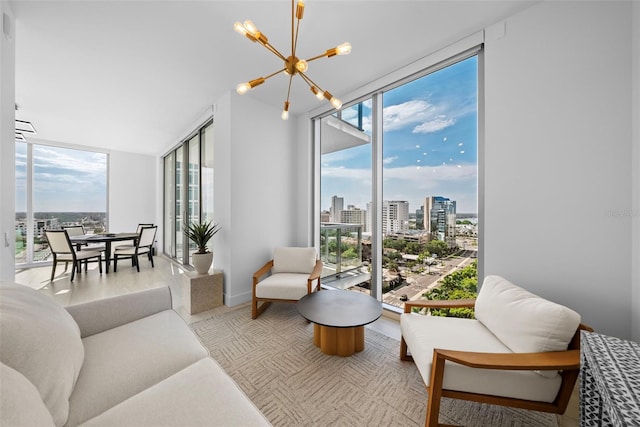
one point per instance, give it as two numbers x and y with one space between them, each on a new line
107 253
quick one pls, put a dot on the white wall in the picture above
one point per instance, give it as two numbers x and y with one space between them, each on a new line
132 191
304 181
7 145
635 159
558 178
254 198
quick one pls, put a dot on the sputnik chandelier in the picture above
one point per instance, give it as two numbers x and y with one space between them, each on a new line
292 64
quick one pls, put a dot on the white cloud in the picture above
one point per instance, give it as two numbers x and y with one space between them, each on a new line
347 173
389 160
401 115
438 123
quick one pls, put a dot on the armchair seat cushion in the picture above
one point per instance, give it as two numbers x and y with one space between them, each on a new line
422 332
285 286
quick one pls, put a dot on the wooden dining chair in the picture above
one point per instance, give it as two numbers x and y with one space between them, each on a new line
144 245
78 230
62 250
138 229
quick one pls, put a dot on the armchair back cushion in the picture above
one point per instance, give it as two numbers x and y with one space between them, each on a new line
293 260
524 322
42 342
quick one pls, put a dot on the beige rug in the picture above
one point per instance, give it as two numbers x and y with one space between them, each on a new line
274 361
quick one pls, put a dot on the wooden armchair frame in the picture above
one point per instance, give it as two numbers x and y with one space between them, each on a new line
566 361
257 309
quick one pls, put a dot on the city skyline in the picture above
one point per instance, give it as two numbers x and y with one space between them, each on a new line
429 149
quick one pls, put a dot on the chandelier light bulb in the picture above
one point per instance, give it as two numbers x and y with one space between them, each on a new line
285 111
240 28
243 88
302 66
337 104
251 28
343 49
317 92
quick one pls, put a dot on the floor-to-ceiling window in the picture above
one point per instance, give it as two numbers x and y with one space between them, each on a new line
56 187
400 198
345 228
188 190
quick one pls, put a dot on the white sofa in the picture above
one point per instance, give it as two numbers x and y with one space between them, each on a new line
124 361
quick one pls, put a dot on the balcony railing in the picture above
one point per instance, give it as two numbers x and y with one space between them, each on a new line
340 249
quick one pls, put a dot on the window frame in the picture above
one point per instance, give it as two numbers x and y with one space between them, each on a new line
376 95
185 246
29 220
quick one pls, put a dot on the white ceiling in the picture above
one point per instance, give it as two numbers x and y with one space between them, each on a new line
137 75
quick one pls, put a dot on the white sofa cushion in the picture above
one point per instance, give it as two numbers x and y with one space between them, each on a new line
20 402
293 260
207 396
42 342
524 322
289 286
123 361
422 332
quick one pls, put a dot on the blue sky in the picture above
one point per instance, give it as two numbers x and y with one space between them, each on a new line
429 144
65 180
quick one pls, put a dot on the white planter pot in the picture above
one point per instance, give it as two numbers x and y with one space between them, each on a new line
202 262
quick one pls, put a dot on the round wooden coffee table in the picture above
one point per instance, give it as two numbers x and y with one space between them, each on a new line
339 318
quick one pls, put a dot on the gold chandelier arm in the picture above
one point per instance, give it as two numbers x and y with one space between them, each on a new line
310 82
293 44
299 12
289 89
343 49
274 73
317 57
272 49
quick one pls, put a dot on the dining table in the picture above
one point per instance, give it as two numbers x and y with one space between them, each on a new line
106 238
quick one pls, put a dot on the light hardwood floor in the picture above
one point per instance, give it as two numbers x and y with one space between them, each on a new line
91 286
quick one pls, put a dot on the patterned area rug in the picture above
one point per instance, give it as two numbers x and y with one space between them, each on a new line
274 361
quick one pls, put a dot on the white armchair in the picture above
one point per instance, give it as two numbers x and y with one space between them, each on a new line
520 350
293 272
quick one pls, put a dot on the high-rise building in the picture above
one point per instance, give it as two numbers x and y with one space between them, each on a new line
440 217
337 206
354 215
420 218
395 216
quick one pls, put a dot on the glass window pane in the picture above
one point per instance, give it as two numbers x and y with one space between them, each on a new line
193 201
206 177
179 212
430 172
69 188
169 204
21 203
345 195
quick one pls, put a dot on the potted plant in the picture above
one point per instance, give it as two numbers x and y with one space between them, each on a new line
200 233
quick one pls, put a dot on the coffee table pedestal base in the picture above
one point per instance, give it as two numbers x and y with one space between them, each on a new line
340 341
